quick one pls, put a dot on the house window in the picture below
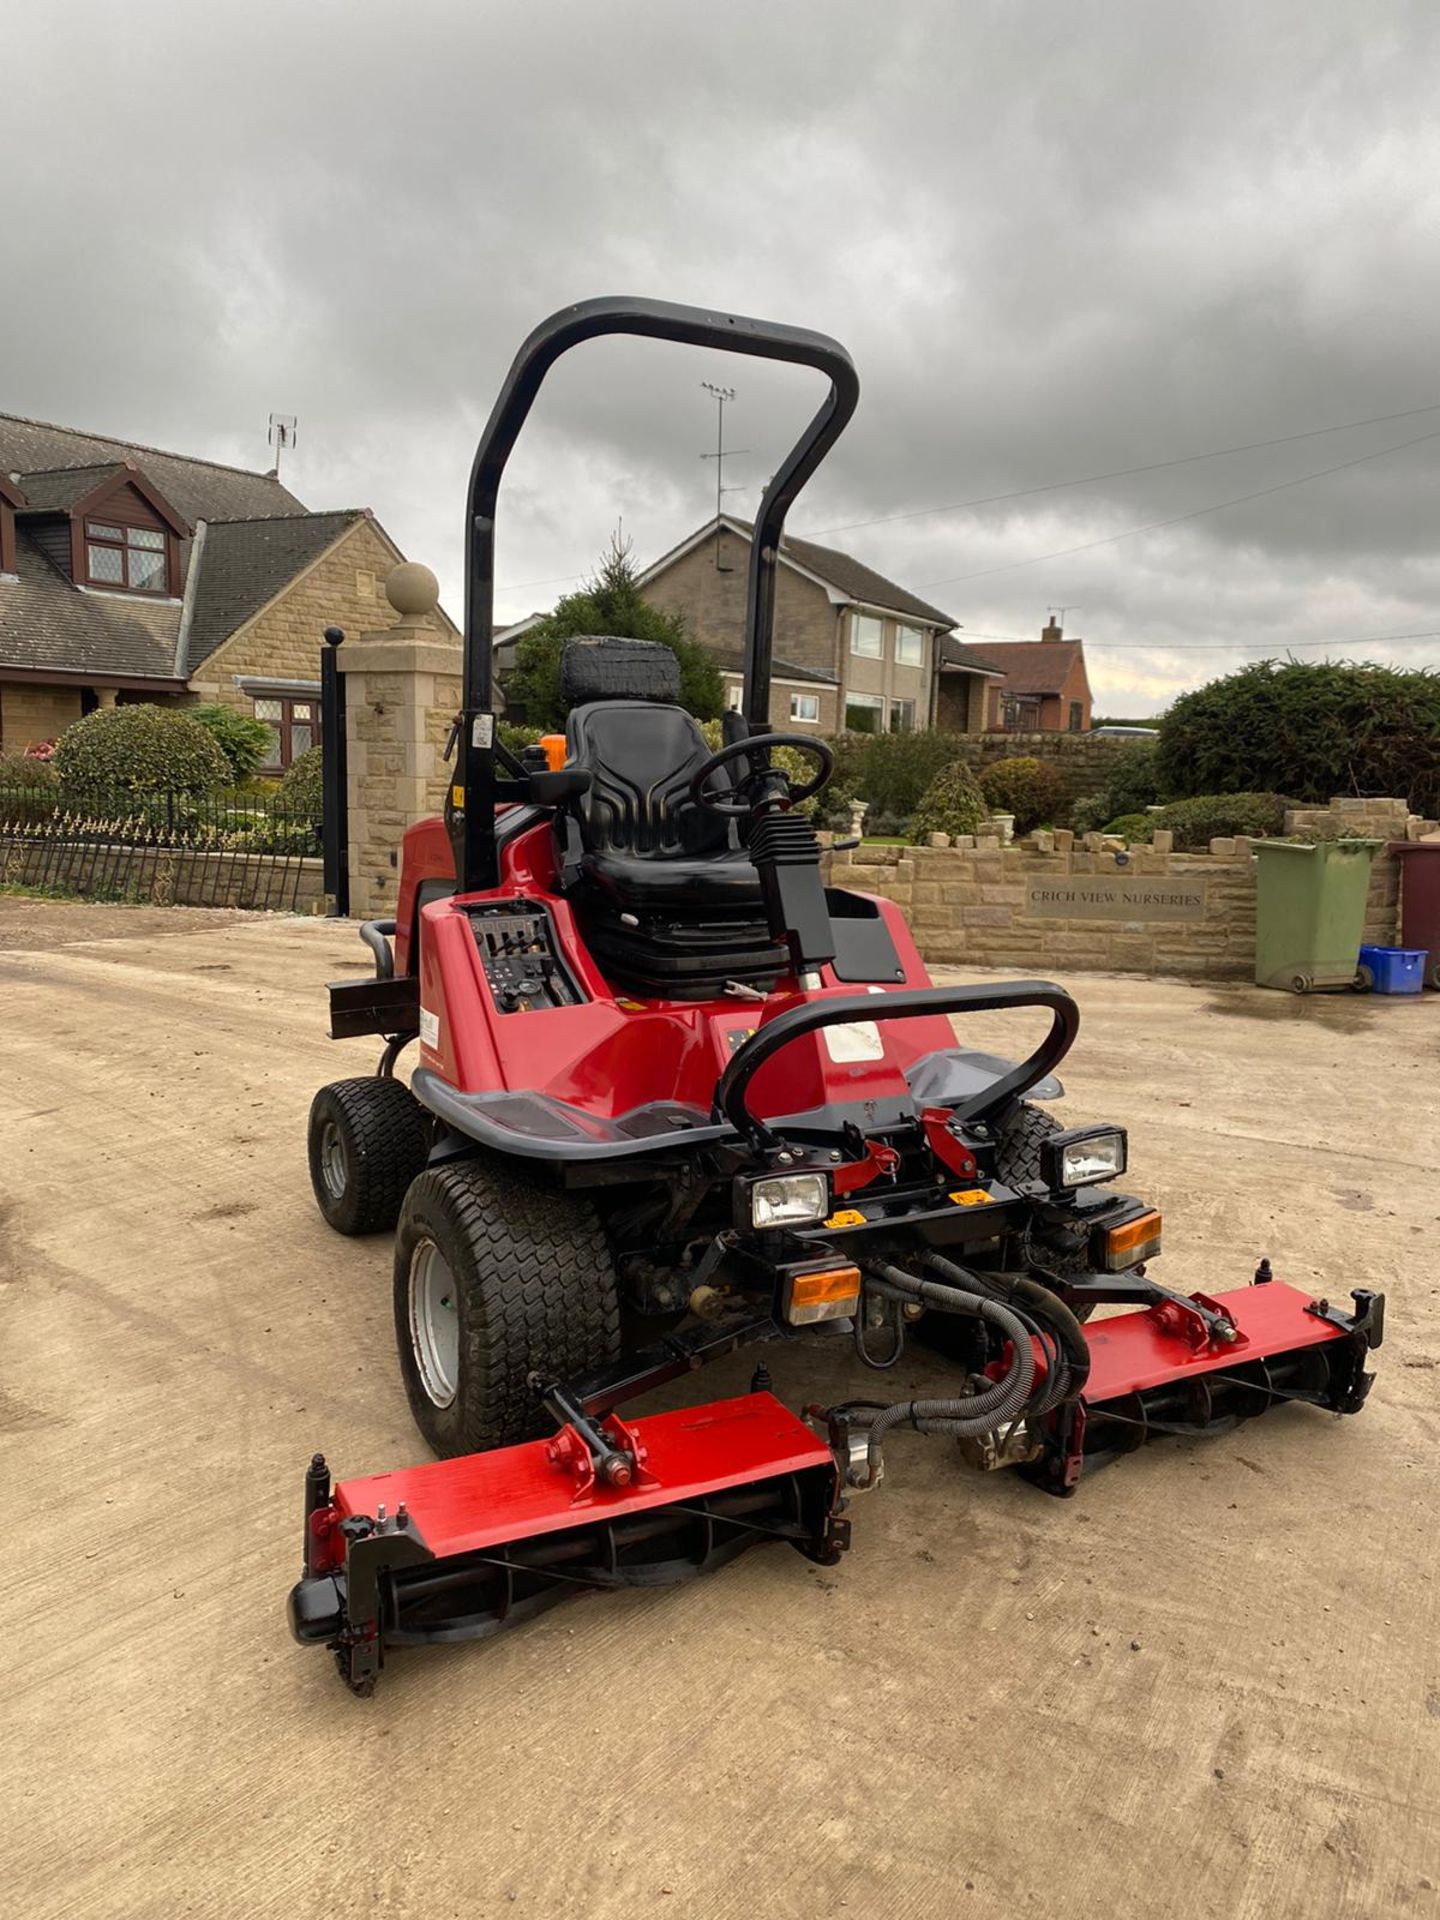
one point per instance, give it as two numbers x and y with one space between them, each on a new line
909 648
734 697
129 557
867 636
864 712
294 725
804 706
1077 716
902 716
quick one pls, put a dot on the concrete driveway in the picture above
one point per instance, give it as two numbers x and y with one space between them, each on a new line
1209 1685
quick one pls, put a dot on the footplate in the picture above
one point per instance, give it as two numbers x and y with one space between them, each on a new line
461 1549
1232 1357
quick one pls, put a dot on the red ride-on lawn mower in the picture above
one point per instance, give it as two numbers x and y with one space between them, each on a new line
674 1096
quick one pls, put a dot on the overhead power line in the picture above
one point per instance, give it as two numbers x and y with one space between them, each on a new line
1089 479
1121 473
1175 519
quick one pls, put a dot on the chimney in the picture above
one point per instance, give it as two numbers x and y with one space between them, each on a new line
1054 631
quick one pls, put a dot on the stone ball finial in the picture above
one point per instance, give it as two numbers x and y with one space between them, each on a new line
413 591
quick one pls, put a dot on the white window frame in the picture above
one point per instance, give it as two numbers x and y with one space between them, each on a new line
861 636
902 636
895 707
872 703
735 697
805 706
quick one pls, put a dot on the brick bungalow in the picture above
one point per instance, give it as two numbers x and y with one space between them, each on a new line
127 573
1034 686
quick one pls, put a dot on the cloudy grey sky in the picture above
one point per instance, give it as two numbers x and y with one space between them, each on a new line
1059 241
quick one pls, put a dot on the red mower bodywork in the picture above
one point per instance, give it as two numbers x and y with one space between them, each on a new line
673 1097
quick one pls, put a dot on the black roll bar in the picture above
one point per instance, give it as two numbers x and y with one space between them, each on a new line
768 1040
660 320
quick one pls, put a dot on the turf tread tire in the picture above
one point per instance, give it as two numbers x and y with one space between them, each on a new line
1017 1152
536 1292
385 1133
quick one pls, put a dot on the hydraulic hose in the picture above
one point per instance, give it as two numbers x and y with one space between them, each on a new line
1047 1307
975 1414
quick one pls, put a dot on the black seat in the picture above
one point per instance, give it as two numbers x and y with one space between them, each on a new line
667 895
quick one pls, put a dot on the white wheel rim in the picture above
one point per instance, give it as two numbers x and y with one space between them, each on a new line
434 1323
333 1168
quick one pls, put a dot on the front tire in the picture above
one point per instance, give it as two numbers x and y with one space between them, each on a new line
496 1277
367 1141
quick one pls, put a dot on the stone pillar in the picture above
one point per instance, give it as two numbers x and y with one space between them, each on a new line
105 696
402 691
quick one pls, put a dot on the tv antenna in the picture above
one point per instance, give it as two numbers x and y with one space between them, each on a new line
282 434
722 395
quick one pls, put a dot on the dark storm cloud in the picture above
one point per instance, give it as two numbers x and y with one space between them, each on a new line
1058 241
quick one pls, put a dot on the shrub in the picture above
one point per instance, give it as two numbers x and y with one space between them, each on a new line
28 789
516 739
244 740
302 790
1133 781
1131 826
952 803
26 770
1026 787
892 771
1088 815
1195 822
140 749
1309 728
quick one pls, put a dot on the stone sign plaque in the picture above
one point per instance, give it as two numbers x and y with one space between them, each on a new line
1093 896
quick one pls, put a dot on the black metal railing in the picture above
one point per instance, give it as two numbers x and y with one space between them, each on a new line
235 849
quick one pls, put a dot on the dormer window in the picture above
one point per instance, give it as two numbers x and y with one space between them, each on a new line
130 558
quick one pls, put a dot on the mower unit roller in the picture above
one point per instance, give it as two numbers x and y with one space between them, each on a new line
674 1097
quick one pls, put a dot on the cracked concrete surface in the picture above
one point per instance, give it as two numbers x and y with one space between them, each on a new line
1209 1685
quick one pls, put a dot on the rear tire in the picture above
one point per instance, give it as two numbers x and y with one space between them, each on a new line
368 1140
496 1277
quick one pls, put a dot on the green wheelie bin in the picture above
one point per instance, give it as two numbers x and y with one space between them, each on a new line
1310 912
1420 900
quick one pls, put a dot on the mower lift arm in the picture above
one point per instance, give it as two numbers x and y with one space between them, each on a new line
764 1044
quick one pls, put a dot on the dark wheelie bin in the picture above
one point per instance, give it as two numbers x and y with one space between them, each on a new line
1420 900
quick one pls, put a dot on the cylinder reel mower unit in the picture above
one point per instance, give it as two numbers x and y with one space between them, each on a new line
674 1098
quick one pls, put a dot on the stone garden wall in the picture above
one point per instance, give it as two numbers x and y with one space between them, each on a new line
1051 902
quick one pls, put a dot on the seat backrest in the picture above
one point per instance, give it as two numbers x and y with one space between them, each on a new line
642 757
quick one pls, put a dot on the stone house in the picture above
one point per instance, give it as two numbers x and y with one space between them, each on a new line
128 573
1033 686
852 649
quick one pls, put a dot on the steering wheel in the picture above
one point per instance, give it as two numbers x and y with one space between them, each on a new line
735 806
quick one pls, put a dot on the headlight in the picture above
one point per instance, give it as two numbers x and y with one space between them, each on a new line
789 1200
1083 1157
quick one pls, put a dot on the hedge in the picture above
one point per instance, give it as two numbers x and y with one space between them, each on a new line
1309 728
1207 816
140 749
